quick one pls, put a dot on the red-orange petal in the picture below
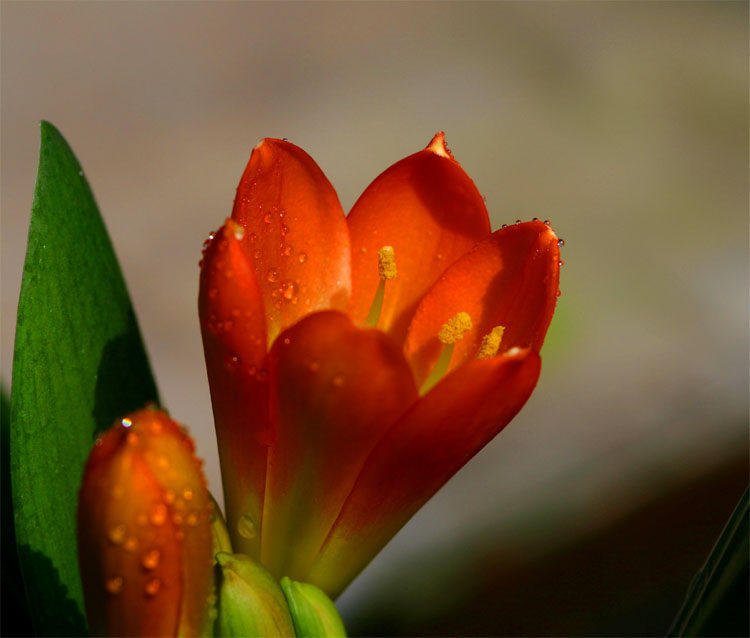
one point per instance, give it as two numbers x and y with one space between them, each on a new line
295 234
429 210
232 317
144 536
335 389
509 279
428 444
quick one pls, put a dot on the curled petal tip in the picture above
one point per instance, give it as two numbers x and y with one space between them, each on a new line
438 146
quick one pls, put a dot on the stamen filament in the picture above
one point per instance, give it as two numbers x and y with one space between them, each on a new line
450 333
386 270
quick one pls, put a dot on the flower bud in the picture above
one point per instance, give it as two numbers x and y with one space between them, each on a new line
251 602
144 531
314 614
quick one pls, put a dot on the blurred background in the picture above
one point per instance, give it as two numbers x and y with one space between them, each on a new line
626 124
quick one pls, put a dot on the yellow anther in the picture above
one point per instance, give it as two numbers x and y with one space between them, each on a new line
387 271
455 328
450 333
491 343
387 263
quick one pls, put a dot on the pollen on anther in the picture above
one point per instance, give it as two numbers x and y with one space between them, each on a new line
455 328
491 343
387 263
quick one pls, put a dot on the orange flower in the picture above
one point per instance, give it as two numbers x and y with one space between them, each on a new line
144 535
356 363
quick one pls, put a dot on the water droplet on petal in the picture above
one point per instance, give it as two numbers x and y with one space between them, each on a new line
338 381
256 253
561 242
151 559
547 221
132 438
131 544
126 423
267 218
187 494
117 534
504 226
246 527
273 275
302 258
158 514
253 238
287 251
287 341
518 221
559 292
162 461
152 587
114 585
289 289
192 519
169 496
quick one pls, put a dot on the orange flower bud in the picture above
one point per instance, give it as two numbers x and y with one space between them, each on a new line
144 536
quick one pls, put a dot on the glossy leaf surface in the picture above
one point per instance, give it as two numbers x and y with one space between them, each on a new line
79 363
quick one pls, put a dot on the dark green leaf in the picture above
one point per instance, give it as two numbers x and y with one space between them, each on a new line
79 363
16 620
717 603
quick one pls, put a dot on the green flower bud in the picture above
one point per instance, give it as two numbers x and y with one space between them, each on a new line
313 613
251 602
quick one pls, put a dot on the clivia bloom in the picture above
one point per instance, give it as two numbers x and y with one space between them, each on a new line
144 532
356 363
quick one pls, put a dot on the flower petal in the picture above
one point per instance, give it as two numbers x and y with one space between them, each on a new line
509 279
335 389
233 326
429 210
295 233
427 445
144 538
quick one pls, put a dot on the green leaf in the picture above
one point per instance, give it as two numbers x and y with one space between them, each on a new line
717 600
17 622
79 364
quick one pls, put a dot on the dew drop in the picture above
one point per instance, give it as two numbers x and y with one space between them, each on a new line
131 544
548 222
252 237
162 462
132 438
126 423
287 251
289 289
559 292
302 258
158 514
152 587
98 442
114 585
256 253
287 341
177 519
156 427
246 527
338 381
314 366
187 494
561 263
239 232
518 221
169 496
212 293
273 275
192 519
117 534
150 560
232 361
267 218
504 226
561 242
284 230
